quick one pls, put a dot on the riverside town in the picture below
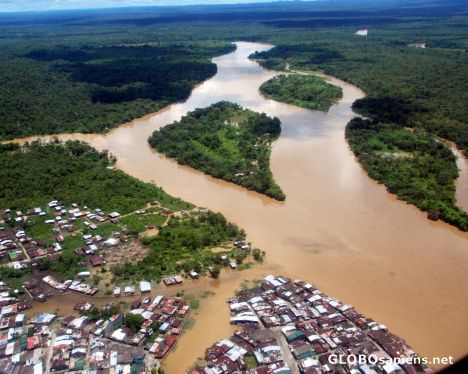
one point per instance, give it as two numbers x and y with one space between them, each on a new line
233 187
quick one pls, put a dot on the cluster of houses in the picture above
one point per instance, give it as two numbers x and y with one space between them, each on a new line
24 251
16 246
163 319
236 354
11 304
21 250
107 356
292 327
144 287
66 223
22 344
68 350
78 343
76 286
37 290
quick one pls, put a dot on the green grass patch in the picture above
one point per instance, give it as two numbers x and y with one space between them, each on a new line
39 230
104 229
250 362
137 223
73 242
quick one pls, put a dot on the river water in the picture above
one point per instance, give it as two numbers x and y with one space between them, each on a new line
337 228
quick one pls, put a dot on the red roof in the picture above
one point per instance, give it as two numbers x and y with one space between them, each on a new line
96 260
171 339
169 310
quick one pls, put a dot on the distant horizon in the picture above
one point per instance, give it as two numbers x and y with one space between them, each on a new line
17 6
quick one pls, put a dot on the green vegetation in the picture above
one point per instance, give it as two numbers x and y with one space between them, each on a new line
100 86
430 82
71 173
39 230
36 173
66 266
75 172
138 223
215 271
92 70
89 71
248 285
258 255
413 87
193 302
13 277
306 91
225 141
96 279
182 245
412 164
104 313
206 294
250 361
133 322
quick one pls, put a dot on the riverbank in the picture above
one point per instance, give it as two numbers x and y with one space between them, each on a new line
338 228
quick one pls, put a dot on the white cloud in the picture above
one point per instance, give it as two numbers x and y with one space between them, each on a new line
33 5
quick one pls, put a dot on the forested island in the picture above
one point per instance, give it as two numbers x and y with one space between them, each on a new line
412 164
305 91
227 142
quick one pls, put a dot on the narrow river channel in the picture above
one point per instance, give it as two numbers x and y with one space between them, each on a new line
337 228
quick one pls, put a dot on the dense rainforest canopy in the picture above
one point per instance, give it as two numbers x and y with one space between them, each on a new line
412 164
225 141
93 88
73 172
431 81
91 70
306 91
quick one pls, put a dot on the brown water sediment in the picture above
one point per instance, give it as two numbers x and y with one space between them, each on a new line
337 228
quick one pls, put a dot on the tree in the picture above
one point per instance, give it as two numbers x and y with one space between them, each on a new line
215 271
133 322
94 314
43 263
258 254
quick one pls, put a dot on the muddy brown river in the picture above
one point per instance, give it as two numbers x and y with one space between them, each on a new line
337 228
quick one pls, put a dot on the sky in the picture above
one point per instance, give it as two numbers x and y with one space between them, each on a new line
38 5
